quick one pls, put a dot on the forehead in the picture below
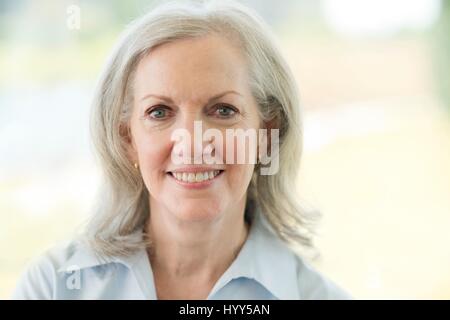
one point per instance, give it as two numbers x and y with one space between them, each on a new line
191 65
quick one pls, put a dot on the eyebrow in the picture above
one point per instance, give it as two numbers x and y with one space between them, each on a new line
169 100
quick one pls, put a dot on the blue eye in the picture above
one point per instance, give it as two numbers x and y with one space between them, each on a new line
226 111
158 112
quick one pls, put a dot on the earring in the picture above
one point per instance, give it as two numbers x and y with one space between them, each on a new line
136 165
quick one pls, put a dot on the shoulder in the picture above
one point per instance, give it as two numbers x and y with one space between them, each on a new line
313 285
287 274
43 274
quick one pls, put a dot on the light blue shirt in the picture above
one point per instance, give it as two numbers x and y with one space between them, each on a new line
265 268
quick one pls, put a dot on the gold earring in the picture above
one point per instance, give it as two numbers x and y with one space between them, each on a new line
136 165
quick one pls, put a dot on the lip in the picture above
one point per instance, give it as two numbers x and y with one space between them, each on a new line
195 169
195 185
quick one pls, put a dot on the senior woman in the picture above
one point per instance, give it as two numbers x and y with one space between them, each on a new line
169 230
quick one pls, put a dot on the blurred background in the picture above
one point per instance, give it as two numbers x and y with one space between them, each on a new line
374 83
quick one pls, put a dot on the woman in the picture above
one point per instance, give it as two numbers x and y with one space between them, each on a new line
191 229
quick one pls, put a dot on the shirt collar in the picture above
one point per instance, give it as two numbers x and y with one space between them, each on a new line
81 256
84 257
263 258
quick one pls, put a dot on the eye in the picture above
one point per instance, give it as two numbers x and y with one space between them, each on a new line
158 112
225 111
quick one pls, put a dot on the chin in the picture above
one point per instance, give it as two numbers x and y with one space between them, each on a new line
198 210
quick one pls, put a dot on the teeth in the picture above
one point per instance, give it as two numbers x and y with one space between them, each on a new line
195 177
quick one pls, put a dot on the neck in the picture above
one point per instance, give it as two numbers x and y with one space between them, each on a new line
200 250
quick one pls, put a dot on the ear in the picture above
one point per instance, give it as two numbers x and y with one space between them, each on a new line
128 142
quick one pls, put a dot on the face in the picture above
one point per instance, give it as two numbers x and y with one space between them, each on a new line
202 79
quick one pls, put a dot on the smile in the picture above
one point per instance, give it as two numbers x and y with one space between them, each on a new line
195 177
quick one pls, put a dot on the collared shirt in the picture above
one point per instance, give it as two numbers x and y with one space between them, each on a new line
265 269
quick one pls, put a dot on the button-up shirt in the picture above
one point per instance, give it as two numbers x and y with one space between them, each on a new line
265 268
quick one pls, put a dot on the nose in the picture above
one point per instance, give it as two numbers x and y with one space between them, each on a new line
190 145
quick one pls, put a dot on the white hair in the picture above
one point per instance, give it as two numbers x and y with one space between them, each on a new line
116 227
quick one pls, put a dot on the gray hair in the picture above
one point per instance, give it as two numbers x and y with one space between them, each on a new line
116 227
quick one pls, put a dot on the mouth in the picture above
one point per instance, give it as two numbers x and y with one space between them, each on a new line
195 178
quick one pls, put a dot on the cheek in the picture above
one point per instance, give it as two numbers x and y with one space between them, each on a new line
239 150
238 179
154 152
